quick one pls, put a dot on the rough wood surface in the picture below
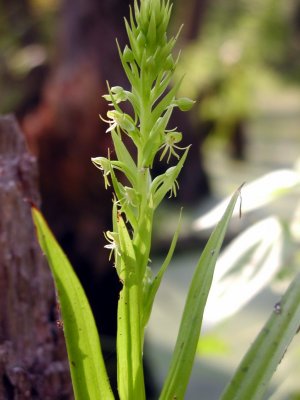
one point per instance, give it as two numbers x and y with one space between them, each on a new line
33 363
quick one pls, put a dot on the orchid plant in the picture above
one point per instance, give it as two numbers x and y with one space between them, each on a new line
149 65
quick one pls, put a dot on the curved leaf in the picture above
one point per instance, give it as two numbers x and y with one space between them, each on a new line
185 349
88 372
251 379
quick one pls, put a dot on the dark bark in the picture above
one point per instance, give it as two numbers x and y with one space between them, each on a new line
33 363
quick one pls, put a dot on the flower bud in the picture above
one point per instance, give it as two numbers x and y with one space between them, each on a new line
118 95
128 55
184 103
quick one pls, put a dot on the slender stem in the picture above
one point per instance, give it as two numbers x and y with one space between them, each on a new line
130 330
130 375
129 334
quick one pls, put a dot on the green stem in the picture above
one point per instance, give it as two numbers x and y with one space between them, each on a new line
130 370
130 330
129 334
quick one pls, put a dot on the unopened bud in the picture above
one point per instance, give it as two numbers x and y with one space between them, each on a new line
184 103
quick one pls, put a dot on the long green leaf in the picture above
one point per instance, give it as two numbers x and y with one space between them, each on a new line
251 379
88 372
186 344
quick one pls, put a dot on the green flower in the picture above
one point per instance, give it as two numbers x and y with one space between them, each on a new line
130 198
113 242
169 145
104 164
119 119
184 103
117 95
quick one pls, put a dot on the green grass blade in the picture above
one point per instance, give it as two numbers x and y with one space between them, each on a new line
186 344
88 372
260 362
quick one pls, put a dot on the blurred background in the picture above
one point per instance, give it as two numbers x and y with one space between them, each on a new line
241 61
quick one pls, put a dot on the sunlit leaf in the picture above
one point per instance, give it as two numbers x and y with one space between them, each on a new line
88 372
251 379
186 344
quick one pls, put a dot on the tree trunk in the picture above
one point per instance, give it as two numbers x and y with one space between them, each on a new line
33 363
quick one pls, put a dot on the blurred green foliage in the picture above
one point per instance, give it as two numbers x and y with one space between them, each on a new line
241 44
27 30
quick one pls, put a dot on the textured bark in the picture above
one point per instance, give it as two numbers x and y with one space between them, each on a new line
33 363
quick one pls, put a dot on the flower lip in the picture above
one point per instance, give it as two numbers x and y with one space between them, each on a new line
169 146
112 238
104 164
111 121
119 119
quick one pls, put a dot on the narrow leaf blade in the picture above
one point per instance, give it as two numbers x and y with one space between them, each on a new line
260 362
88 372
184 353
